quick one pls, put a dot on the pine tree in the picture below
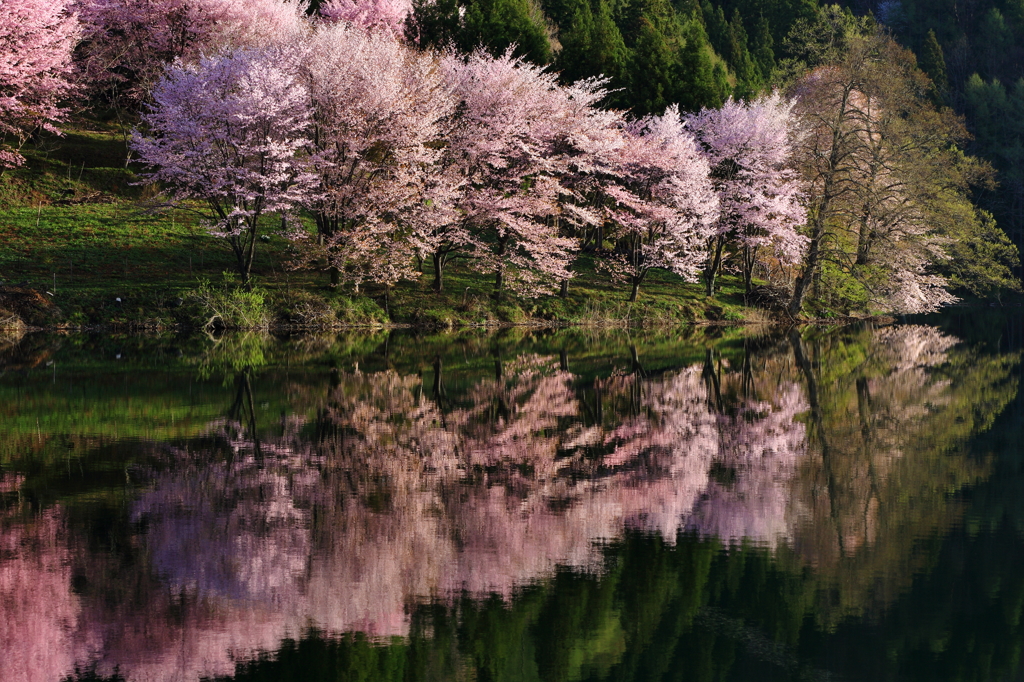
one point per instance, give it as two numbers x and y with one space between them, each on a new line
933 63
737 54
494 25
434 23
592 45
576 22
499 24
651 69
716 25
701 78
763 54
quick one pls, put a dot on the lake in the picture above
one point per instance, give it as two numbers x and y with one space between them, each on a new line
704 504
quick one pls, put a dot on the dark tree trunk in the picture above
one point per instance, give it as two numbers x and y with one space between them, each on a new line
636 290
438 260
713 266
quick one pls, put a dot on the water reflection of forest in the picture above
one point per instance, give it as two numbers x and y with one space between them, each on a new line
376 492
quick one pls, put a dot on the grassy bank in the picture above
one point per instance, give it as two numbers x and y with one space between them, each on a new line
105 251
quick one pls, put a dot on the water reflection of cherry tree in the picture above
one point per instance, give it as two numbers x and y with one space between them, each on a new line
38 611
393 489
404 495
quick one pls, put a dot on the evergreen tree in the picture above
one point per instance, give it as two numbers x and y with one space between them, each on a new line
702 79
748 81
434 23
933 63
495 25
651 68
592 45
499 24
716 26
763 54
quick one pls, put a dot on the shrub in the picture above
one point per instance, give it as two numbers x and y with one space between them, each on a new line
307 309
231 306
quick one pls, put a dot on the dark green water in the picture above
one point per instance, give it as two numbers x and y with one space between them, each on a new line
704 505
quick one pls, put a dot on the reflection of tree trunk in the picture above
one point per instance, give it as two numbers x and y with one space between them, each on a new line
563 361
748 371
638 368
502 409
818 423
712 380
594 414
636 391
864 408
440 397
243 409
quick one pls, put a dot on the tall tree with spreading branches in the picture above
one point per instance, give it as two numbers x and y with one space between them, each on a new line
231 132
665 206
511 115
379 111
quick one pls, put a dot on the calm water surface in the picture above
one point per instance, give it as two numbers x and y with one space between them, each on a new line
697 506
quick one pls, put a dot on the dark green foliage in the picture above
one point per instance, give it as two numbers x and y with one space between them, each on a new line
748 76
823 37
761 49
982 258
672 61
656 41
703 80
315 657
495 25
499 24
434 23
592 44
995 114
933 63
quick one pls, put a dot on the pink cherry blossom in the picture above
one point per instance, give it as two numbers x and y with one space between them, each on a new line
230 131
37 38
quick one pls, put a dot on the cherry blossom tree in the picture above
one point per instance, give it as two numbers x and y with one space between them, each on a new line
387 16
129 43
511 115
665 205
37 38
230 131
750 146
378 111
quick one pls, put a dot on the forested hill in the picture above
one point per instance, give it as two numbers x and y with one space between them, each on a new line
697 53
974 52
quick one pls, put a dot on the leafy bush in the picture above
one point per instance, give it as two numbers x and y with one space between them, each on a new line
231 306
360 310
307 309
